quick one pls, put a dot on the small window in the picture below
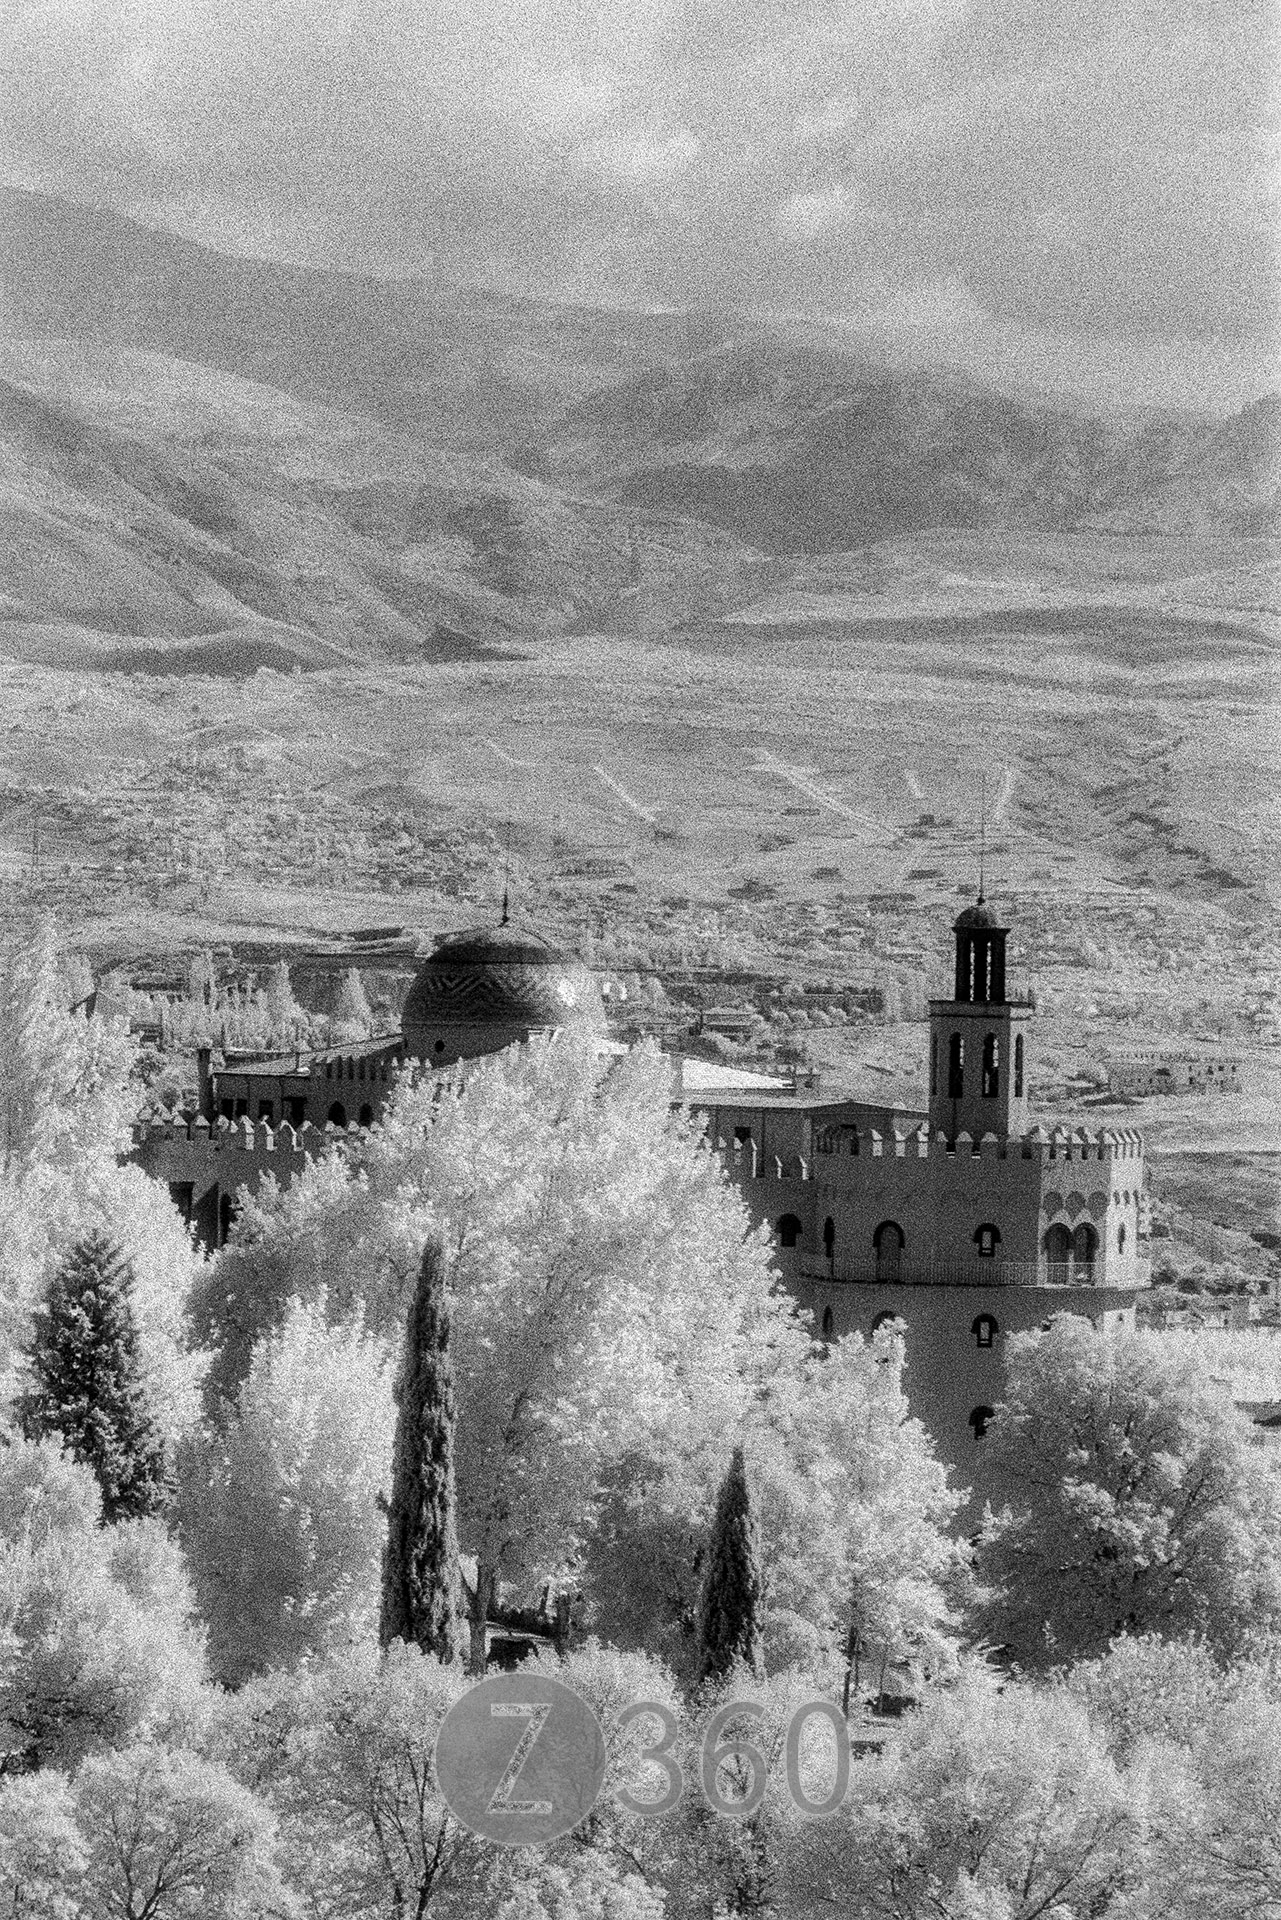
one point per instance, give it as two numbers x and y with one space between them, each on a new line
267 1111
827 1323
955 1067
297 1110
1120 1239
829 1236
338 1114
227 1108
1018 1066
439 1047
888 1244
991 1066
987 1239
242 1109
980 1420
789 1231
883 1318
984 1330
934 1065
366 1116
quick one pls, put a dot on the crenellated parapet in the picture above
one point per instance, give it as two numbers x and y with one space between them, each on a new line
1065 1144
152 1137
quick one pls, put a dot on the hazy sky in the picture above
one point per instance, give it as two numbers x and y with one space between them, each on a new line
1085 187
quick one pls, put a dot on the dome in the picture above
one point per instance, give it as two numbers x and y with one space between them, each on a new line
483 989
978 916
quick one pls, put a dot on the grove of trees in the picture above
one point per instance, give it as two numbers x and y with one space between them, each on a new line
518 1356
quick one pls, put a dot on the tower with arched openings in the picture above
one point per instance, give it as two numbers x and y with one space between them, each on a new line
978 1039
960 1219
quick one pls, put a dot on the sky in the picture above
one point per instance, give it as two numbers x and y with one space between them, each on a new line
1082 190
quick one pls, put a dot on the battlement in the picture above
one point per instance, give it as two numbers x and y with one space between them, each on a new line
239 1136
1065 1145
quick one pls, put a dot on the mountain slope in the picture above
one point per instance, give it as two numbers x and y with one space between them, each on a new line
800 451
154 499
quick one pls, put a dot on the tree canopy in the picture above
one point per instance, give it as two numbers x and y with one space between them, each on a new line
1130 1500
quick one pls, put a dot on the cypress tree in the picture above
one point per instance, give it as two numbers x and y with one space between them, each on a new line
421 1588
729 1626
87 1381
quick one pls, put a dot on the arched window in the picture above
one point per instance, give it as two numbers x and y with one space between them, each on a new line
984 1330
1057 1246
338 1114
1018 1066
1120 1239
987 1239
788 1230
827 1323
991 1066
439 1047
934 1065
888 1243
1085 1244
979 1419
829 1236
366 1118
884 1317
955 1067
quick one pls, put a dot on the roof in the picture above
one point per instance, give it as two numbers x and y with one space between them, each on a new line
979 915
500 977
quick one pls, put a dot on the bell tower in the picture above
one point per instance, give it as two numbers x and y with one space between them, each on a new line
978 1038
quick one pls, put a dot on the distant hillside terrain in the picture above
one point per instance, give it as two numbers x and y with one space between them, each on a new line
798 451
154 500
785 444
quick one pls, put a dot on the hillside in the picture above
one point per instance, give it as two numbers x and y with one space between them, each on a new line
227 526
790 444
797 450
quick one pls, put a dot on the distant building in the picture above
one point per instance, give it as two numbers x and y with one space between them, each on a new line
1139 1075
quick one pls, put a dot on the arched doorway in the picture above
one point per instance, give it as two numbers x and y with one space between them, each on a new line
338 1114
1085 1245
1057 1247
788 1229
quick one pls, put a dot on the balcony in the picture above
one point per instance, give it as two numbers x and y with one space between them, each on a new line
965 1273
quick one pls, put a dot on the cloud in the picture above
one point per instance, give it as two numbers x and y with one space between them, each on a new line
1089 172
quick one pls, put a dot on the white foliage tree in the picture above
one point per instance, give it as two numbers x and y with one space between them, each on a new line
353 1017
97 1622
280 1497
1132 1500
605 1277
68 1097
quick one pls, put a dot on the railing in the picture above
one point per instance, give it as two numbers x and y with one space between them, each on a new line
965 1273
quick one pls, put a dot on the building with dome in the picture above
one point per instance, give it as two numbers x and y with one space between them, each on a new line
475 993
957 1219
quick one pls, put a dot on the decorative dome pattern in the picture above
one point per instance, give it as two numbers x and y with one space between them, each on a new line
500 984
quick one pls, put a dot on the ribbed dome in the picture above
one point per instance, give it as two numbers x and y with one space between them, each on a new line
485 988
